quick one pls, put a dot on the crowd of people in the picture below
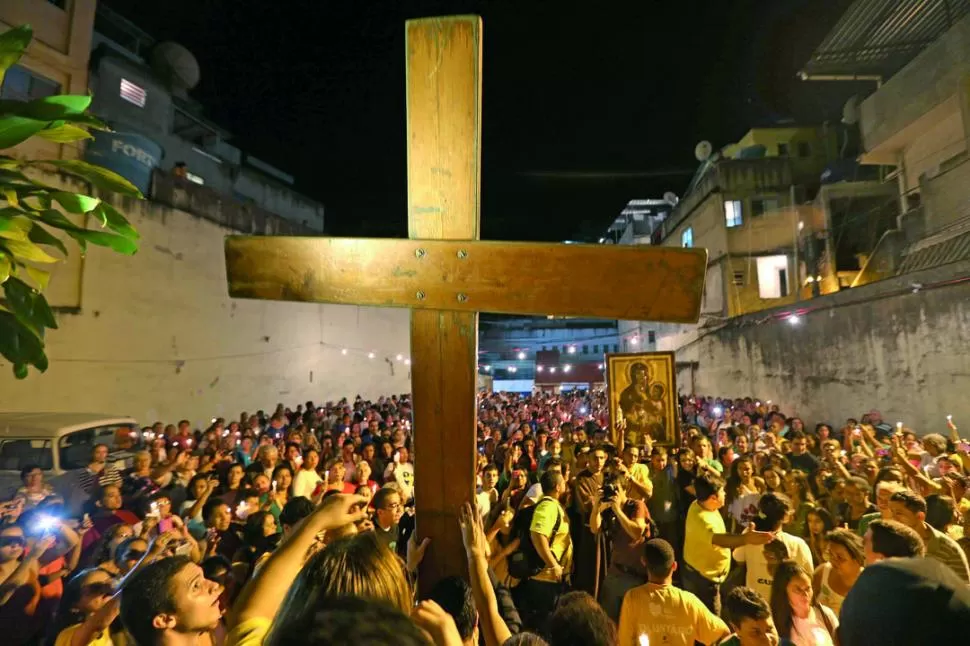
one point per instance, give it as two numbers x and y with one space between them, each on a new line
298 527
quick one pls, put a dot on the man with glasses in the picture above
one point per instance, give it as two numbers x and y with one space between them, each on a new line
388 524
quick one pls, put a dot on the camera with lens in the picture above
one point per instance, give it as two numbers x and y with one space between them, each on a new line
612 482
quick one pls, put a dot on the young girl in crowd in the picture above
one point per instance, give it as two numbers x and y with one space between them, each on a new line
819 523
797 615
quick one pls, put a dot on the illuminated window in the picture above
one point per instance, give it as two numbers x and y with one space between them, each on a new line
732 213
687 237
773 276
134 94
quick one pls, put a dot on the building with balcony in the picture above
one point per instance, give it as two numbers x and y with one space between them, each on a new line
746 206
141 88
55 63
913 121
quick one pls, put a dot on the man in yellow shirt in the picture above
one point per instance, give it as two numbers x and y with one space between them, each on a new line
638 484
663 613
707 545
536 597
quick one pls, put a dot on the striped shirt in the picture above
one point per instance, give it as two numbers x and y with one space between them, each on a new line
89 481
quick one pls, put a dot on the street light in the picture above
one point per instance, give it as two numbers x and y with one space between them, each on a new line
567 368
521 356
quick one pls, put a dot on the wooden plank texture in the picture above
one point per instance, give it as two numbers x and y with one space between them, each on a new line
444 58
638 283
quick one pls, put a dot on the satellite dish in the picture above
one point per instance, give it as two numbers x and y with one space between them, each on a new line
176 67
850 111
703 150
671 198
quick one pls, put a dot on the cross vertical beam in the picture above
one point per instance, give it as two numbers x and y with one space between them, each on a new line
444 65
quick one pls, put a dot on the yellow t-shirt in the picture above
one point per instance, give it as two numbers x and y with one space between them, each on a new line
668 616
250 632
64 637
641 474
700 552
543 522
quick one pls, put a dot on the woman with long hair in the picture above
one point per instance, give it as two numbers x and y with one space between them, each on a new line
844 563
774 478
819 523
797 488
797 616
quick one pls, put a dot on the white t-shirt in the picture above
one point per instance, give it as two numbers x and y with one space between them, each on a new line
753 556
305 482
812 631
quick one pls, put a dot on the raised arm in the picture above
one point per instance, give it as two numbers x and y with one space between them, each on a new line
264 594
494 629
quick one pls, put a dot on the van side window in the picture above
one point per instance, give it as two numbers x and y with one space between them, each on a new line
75 448
17 454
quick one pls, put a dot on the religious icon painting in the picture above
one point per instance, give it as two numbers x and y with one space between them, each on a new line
643 398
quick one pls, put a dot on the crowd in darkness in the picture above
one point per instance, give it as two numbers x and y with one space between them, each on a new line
298 526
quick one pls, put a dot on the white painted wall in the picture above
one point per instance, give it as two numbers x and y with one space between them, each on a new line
158 337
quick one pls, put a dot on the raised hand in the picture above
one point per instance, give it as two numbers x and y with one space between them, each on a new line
415 552
472 531
341 509
436 623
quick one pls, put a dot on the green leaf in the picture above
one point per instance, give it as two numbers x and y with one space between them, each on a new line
51 108
29 306
11 163
24 250
14 227
20 346
114 220
40 277
40 235
76 202
13 43
14 129
65 134
118 243
5 267
101 177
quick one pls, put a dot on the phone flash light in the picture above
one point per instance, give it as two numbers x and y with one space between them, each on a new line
899 425
949 418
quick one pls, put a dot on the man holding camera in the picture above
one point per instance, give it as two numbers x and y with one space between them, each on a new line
625 523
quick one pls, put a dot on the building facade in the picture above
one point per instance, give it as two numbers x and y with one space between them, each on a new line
55 63
523 353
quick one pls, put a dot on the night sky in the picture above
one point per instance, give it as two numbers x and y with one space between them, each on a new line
617 91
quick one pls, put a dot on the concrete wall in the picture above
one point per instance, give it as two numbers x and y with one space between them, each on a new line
157 337
876 346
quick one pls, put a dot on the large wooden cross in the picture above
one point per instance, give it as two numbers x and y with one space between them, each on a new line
446 276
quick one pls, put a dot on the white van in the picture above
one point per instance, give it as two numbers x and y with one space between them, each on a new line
60 443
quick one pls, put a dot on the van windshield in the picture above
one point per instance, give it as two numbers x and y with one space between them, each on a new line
15 454
75 448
